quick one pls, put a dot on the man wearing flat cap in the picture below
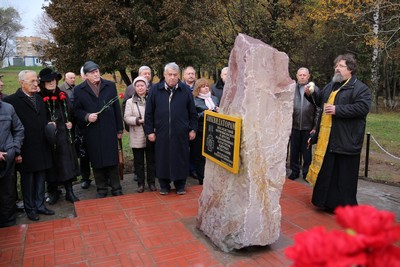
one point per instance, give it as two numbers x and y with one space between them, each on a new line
101 130
35 157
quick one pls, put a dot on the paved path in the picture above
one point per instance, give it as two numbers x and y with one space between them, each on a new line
381 196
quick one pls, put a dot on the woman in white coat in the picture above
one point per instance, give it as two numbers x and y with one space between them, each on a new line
134 117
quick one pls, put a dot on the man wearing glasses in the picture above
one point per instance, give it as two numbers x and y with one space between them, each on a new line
35 157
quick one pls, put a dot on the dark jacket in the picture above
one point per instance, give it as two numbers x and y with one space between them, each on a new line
35 151
352 103
201 107
65 160
172 122
306 114
100 136
11 136
218 89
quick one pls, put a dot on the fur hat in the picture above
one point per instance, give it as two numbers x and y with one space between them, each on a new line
47 75
89 66
140 78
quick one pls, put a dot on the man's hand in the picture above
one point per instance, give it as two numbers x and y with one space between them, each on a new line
152 137
3 156
330 109
18 159
119 136
92 117
192 135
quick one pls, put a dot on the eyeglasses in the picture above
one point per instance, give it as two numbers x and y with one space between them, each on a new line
340 66
32 82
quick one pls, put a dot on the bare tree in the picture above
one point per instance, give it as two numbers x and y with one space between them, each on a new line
43 25
9 26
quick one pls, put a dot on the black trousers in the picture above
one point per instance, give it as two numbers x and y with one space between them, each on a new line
139 155
84 166
8 198
33 187
298 151
179 184
199 160
101 175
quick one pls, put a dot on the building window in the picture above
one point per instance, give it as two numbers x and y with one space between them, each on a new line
37 61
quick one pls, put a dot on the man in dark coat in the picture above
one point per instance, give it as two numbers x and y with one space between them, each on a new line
345 103
170 122
35 156
103 129
11 137
218 88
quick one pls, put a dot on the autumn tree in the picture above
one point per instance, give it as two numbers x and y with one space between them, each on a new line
10 24
126 34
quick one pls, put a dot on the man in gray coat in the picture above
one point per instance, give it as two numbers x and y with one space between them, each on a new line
11 137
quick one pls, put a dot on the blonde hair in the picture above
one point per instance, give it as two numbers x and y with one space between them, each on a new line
200 83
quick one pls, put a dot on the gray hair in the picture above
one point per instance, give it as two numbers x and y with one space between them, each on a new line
143 68
173 66
224 69
22 74
81 72
305 69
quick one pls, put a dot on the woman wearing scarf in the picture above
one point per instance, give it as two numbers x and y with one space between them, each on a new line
203 100
134 117
65 168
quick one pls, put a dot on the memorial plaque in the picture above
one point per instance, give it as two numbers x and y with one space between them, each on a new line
221 140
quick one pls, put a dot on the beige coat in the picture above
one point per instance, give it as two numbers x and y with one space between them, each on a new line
131 117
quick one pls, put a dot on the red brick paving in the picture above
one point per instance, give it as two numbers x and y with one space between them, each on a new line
149 230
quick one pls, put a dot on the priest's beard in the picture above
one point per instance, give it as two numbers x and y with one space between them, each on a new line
337 78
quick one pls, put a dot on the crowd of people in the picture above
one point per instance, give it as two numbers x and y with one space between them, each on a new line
46 129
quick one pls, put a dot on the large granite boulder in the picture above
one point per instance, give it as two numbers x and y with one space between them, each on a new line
240 210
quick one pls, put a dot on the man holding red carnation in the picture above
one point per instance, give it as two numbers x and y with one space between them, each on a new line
97 108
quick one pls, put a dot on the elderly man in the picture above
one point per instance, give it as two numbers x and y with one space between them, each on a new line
143 71
11 137
305 119
218 88
102 130
189 77
68 85
170 122
35 158
345 102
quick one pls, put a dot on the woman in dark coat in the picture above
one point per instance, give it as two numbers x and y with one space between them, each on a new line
203 100
65 168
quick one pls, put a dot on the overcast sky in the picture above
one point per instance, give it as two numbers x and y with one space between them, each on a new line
29 11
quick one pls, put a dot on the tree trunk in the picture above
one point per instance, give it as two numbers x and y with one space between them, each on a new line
375 60
125 76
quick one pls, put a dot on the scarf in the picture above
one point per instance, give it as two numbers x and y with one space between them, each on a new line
207 100
323 141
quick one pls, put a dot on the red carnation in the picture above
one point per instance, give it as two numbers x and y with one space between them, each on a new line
121 95
54 98
46 98
63 96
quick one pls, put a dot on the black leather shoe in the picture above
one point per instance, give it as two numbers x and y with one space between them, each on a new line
46 211
140 189
117 193
32 216
86 184
70 196
152 187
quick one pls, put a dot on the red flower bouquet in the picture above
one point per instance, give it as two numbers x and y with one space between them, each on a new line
367 240
63 99
51 106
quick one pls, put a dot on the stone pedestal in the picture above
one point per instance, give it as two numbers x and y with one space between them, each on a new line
240 210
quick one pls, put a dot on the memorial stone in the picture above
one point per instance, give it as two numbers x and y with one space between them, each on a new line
241 210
